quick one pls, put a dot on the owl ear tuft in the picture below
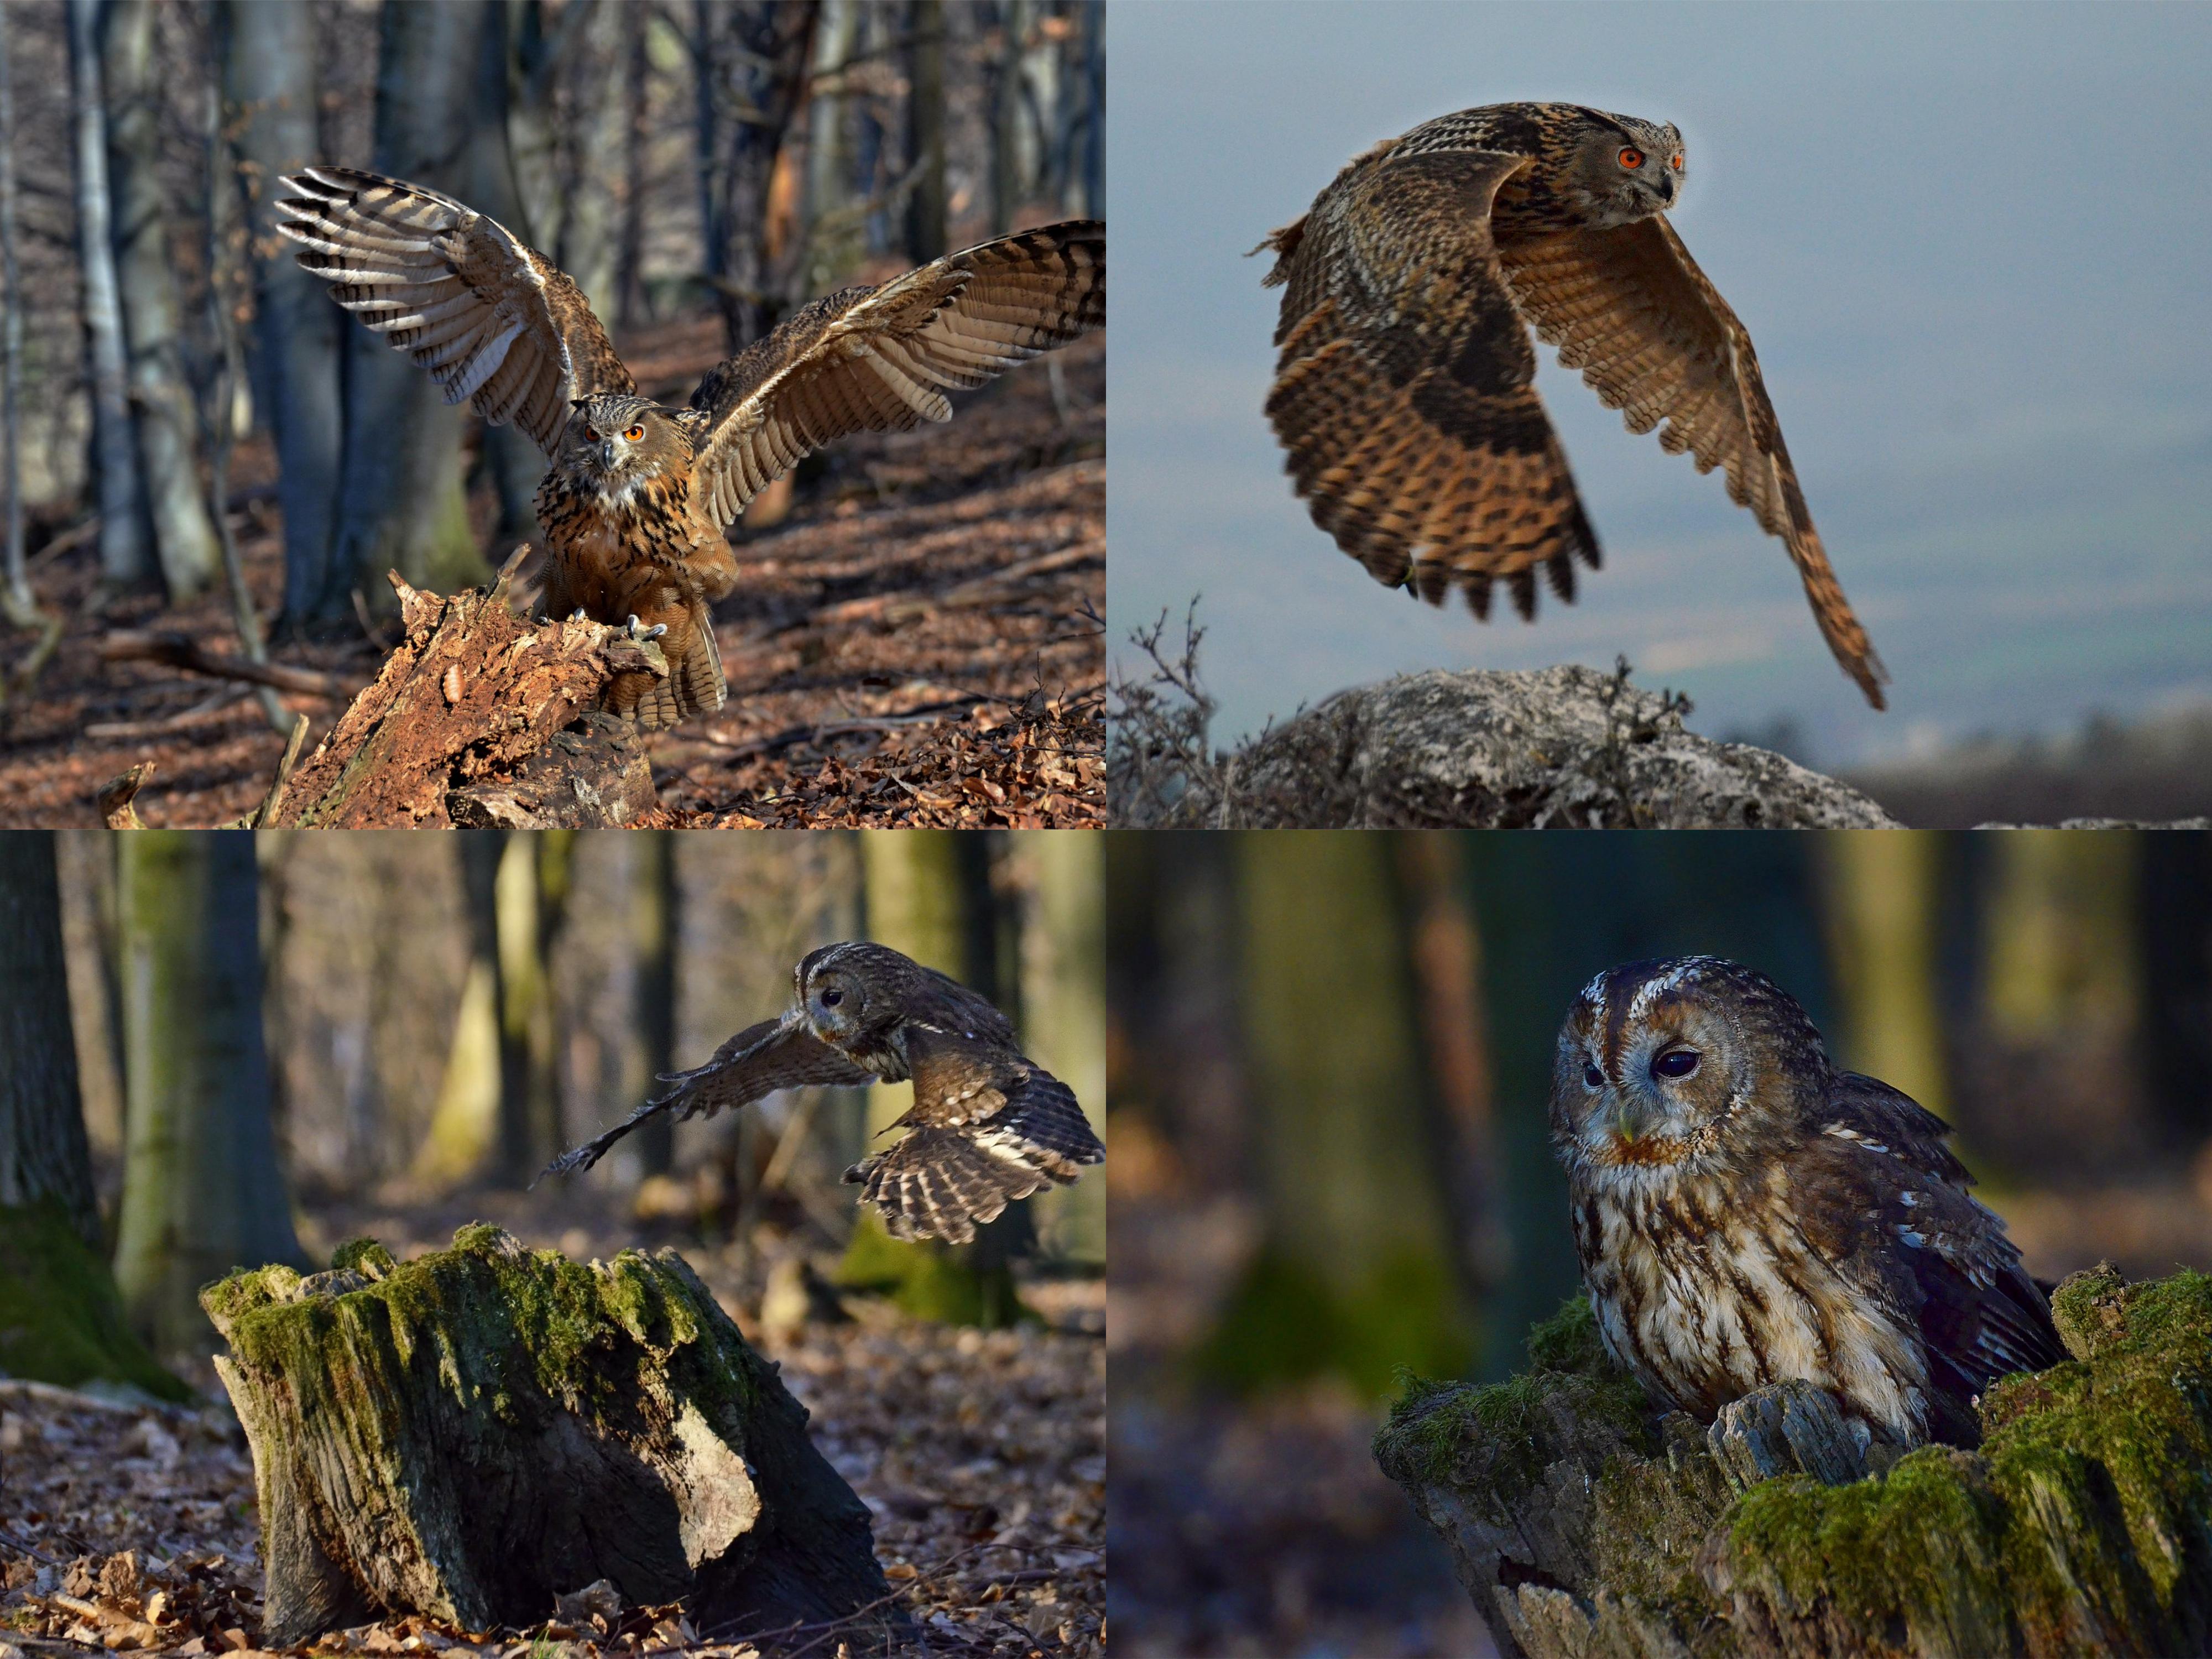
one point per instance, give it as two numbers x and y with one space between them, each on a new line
578 403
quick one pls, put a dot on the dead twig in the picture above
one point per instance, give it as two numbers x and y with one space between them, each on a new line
275 798
177 651
930 715
905 607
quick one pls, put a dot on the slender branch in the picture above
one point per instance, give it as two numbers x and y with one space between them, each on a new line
177 651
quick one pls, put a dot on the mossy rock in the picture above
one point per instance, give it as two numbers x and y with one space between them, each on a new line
1583 1522
61 1320
468 1435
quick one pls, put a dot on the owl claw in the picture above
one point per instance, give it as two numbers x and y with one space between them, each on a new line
638 631
578 615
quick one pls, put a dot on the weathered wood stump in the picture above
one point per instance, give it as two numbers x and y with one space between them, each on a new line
479 1431
481 716
1583 1524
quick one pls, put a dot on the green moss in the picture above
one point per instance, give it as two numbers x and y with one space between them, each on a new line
364 1255
61 1320
1877 1550
1492 1442
1284 1322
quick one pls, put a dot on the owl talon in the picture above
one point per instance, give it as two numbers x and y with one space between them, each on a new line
577 615
638 631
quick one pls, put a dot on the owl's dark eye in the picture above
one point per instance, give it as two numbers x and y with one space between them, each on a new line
1632 159
1675 1062
1593 1077
634 434
831 998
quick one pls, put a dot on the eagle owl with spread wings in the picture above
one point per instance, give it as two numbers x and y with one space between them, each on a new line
1747 1215
1405 390
987 1126
639 497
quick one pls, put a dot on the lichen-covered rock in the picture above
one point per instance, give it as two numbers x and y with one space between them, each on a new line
1565 747
1583 1524
472 1434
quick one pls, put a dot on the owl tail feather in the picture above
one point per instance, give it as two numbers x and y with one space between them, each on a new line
938 1183
695 684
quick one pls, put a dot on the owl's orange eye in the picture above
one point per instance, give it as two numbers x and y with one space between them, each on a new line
1677 164
1631 158
634 434
590 435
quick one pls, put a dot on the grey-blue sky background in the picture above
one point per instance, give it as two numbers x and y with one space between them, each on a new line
1972 243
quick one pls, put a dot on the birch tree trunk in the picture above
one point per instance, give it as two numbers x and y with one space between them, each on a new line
269 86
125 560
203 1195
161 397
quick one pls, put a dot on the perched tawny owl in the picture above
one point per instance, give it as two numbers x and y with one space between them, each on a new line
1747 1215
1404 391
988 1125
639 496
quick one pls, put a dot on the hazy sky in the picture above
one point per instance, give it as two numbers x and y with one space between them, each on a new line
1972 243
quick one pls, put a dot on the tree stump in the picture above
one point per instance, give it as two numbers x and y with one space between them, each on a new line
481 717
475 1433
1583 1524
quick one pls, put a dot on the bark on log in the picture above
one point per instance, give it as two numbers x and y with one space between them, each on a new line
471 722
1582 1524
473 1434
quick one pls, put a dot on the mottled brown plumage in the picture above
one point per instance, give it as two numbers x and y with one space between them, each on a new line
636 504
1746 1214
987 1126
1405 390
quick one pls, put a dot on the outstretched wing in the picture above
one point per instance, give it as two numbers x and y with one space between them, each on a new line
776 1054
494 321
1404 391
987 1126
1629 307
874 359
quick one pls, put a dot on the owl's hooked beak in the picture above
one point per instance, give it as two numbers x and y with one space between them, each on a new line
609 452
1633 1118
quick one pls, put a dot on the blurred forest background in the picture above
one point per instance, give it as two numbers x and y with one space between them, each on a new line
203 461
1330 1057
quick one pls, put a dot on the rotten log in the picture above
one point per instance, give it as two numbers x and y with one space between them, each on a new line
479 717
1582 1522
475 1434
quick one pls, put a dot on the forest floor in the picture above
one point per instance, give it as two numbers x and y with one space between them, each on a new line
919 641
981 1455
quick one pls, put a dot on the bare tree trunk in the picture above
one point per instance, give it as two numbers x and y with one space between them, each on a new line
1005 76
161 397
1090 147
834 234
653 938
585 244
751 61
20 600
438 115
924 126
532 900
125 561
203 1194
44 1158
633 307
1063 951
268 85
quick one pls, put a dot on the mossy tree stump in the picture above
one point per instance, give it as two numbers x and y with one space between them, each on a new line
482 718
472 1434
1584 1525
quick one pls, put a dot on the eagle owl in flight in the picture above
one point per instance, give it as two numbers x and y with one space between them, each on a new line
1404 391
1747 1214
988 1125
639 496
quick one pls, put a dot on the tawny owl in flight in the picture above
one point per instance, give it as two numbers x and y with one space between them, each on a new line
639 496
1404 391
1747 1214
988 1125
